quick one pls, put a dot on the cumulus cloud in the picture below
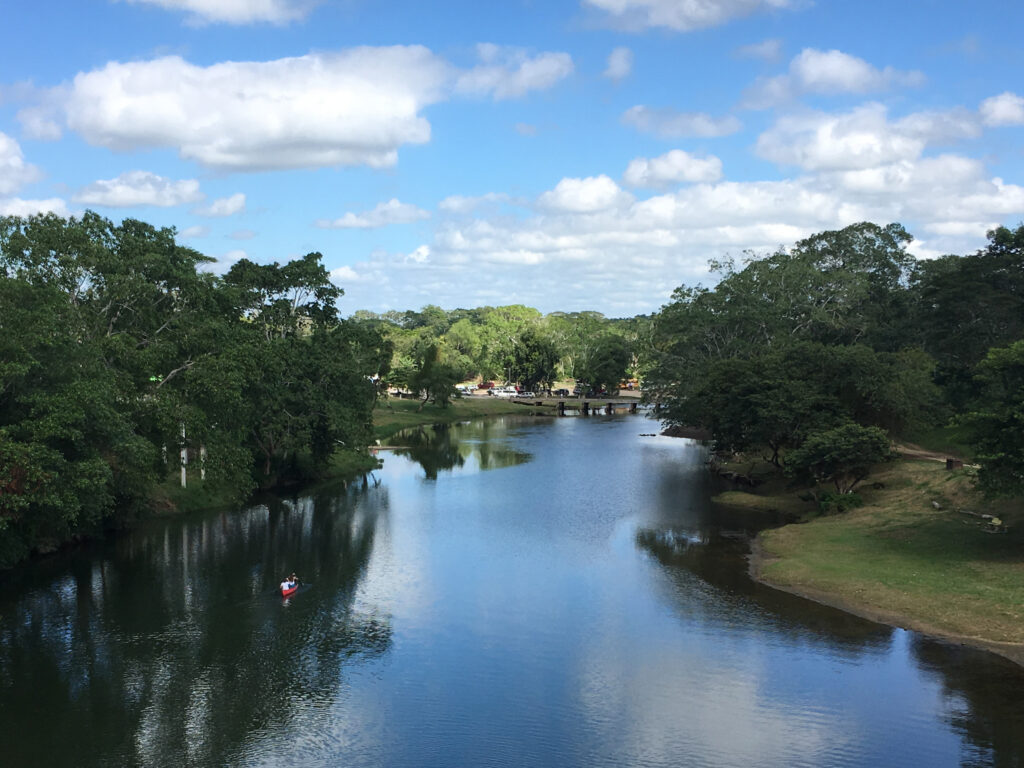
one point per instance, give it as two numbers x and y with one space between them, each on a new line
237 11
139 188
223 262
620 64
353 107
826 72
861 138
767 50
465 204
391 212
670 123
673 167
14 171
680 15
37 122
589 195
357 107
635 251
1005 109
190 233
507 72
15 206
224 206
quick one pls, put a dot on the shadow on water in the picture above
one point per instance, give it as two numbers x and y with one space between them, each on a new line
982 695
176 635
444 447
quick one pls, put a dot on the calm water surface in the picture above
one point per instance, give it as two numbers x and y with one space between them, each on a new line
504 593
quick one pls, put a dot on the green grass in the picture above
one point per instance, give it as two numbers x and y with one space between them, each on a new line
902 560
393 415
951 439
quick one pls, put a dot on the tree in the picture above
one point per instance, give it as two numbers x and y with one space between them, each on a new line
534 360
996 421
435 380
606 366
967 305
843 456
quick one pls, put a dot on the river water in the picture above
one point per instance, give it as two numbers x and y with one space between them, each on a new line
511 592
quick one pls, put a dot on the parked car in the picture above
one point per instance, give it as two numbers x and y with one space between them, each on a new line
561 392
527 395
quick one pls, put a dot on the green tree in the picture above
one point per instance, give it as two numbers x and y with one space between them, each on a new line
996 421
434 380
534 360
607 363
843 456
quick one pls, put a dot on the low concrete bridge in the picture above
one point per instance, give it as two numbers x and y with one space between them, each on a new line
584 405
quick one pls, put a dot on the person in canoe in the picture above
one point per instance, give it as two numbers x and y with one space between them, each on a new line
289 585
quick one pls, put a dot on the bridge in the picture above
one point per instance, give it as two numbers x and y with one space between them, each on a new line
585 406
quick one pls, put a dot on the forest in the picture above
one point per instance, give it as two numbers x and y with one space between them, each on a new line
119 349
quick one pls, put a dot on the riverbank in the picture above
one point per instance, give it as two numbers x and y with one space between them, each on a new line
916 555
395 414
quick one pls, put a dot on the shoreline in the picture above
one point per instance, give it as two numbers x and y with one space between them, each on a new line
757 559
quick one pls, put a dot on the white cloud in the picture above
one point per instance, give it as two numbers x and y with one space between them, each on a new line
14 206
620 64
190 233
589 195
139 188
14 171
673 167
238 11
669 123
357 107
680 15
861 138
37 122
224 206
826 72
767 50
525 129
242 234
632 253
391 212
224 262
462 204
506 72
353 107
1005 109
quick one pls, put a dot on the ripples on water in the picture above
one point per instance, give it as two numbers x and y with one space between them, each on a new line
510 593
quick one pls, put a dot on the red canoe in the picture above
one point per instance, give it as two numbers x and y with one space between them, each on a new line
286 592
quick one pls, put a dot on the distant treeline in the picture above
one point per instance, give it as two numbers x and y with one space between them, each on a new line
814 354
117 351
509 344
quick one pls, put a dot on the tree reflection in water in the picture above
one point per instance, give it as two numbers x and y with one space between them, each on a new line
982 700
194 646
444 447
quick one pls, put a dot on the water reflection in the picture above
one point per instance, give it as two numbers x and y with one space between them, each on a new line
174 647
585 606
981 700
443 447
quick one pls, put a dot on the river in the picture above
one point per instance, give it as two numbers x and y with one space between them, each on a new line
509 592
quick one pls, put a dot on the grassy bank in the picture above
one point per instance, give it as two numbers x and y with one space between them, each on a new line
900 560
393 415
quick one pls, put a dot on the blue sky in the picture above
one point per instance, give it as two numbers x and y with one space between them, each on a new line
566 154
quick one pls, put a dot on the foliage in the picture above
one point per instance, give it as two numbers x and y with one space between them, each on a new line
117 351
996 421
434 379
843 456
606 365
